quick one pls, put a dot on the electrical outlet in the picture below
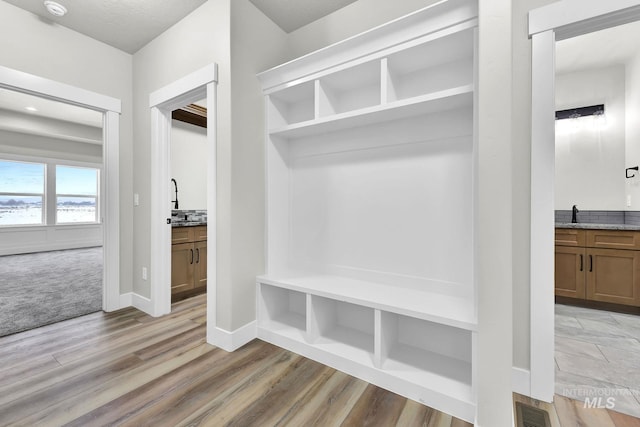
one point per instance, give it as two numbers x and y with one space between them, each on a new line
144 273
136 199
628 200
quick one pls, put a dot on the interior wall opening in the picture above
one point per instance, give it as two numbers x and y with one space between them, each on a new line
51 211
597 218
197 86
188 188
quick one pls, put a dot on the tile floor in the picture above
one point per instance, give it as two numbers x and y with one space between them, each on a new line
598 355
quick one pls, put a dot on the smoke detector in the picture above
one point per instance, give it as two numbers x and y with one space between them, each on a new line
55 8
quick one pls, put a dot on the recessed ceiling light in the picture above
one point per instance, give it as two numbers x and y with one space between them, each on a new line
32 109
55 8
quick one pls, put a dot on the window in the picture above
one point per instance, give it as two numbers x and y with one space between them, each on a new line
48 192
21 193
76 195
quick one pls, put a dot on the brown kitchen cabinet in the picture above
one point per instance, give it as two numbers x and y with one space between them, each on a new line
200 271
188 259
598 265
569 272
614 276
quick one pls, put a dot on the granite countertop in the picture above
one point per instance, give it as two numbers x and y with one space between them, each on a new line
175 224
588 226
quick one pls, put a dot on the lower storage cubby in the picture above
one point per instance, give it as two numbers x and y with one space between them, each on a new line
423 360
427 354
344 329
283 311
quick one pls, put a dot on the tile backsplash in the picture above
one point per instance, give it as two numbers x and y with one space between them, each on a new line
600 217
180 215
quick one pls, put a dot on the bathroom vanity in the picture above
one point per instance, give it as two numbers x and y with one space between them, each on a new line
598 263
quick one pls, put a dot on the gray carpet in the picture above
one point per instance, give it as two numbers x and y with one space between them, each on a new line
47 287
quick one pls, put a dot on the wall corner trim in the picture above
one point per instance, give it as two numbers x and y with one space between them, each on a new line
126 300
142 303
521 381
231 341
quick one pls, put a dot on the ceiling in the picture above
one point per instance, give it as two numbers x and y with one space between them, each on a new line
599 49
126 25
18 102
129 25
293 14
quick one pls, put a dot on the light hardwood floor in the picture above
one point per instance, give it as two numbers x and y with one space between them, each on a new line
127 368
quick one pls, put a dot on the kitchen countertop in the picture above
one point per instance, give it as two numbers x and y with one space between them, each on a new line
588 226
175 224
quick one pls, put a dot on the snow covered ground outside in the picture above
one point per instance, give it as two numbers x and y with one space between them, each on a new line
32 214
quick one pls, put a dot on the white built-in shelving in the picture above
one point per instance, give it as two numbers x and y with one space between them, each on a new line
370 207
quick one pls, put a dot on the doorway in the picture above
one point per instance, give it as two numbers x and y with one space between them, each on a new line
108 183
197 86
558 21
188 170
597 87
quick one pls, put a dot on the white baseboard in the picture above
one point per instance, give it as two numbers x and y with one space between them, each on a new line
142 303
521 381
126 300
35 248
231 341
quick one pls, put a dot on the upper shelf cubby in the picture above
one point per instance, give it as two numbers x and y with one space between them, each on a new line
292 105
450 99
437 65
349 90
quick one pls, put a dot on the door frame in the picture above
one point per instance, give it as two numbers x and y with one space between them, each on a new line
110 108
548 24
191 88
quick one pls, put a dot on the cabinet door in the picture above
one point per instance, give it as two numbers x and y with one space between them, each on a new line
570 267
201 265
613 276
182 267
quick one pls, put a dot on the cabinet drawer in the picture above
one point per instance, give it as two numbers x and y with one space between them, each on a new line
570 237
613 239
181 235
199 233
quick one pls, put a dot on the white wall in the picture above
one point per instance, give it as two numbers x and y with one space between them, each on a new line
632 153
30 44
200 39
256 45
189 165
590 160
204 37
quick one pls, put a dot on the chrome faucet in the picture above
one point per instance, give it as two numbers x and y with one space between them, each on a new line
574 214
